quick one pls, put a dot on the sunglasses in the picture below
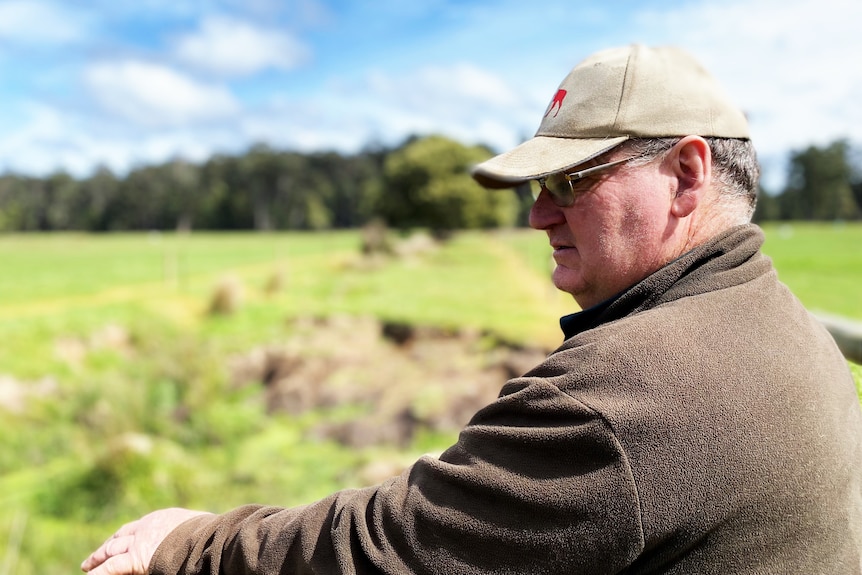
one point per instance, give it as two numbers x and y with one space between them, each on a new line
561 186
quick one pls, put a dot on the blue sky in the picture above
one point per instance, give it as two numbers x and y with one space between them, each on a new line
122 84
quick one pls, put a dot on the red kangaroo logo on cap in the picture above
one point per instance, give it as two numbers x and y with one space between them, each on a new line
557 102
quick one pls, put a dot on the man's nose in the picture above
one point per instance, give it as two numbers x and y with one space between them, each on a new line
545 213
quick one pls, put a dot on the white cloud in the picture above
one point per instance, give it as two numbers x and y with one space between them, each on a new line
461 101
33 22
789 64
50 139
435 87
153 95
230 47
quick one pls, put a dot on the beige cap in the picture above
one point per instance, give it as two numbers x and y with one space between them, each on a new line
610 97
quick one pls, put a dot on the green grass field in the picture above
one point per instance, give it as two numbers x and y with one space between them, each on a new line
173 275
113 385
822 264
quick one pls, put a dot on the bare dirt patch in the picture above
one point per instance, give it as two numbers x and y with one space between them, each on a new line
399 378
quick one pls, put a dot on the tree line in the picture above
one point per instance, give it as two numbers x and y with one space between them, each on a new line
422 182
823 184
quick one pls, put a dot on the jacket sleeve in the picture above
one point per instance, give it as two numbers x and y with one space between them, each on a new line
537 483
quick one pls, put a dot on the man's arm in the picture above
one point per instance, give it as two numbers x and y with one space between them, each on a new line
536 483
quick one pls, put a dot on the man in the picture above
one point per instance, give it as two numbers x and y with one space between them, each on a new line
696 419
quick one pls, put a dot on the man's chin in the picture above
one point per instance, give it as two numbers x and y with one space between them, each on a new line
567 280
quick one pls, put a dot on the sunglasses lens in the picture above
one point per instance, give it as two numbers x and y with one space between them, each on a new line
560 189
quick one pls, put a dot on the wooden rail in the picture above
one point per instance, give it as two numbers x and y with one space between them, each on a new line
847 334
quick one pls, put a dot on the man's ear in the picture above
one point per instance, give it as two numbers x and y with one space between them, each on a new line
691 163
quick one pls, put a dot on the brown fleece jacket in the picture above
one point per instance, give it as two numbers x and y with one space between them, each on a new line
703 422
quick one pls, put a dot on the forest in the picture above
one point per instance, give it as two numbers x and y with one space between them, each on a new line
422 182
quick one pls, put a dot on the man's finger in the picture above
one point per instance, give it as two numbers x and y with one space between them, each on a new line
117 565
128 529
97 557
116 545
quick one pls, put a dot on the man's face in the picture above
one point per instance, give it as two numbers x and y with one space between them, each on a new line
618 230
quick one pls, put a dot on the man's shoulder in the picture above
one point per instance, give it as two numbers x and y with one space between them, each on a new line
667 343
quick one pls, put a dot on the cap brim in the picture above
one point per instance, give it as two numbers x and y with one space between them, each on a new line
539 157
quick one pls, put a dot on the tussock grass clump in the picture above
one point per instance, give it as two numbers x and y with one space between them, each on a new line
375 239
275 283
227 297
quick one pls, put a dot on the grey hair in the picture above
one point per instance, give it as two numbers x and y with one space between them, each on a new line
734 164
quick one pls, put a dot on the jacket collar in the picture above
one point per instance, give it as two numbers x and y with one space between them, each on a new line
729 258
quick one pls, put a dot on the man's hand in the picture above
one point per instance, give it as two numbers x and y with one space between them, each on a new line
130 549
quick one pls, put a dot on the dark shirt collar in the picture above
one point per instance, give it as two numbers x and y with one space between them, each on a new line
575 323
